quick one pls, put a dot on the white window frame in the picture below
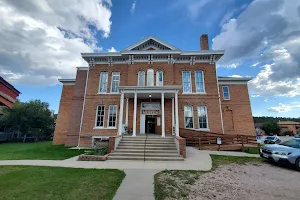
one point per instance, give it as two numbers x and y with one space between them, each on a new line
97 116
139 78
112 75
157 78
225 86
148 76
202 81
100 80
185 116
198 108
109 114
189 92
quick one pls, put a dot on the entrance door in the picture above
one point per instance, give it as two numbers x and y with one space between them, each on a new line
150 124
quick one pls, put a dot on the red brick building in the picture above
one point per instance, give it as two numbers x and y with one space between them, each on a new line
151 87
8 94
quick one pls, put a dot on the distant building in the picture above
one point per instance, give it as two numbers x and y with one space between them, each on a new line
8 94
289 126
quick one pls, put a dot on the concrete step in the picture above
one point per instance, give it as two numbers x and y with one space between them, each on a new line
147 147
146 154
148 139
148 142
146 150
146 158
152 145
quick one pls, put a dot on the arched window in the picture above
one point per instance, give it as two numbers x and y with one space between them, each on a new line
150 77
141 78
159 78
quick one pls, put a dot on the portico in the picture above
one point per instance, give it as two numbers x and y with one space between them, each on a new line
145 94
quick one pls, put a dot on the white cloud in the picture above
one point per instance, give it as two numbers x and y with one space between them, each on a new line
41 41
284 107
236 76
132 9
272 37
255 64
112 49
263 85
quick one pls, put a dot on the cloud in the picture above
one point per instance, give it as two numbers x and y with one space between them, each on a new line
112 49
41 41
272 38
263 85
284 107
132 9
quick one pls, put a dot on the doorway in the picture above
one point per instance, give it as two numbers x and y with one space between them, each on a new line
150 123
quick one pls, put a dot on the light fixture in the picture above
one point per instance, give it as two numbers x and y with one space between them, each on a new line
150 95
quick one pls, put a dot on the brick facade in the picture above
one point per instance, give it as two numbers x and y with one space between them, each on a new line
237 116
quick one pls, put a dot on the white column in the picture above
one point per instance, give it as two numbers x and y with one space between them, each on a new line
121 113
176 114
126 120
163 115
173 117
134 115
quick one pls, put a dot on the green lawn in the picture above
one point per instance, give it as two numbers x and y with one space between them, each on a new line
36 151
57 183
174 184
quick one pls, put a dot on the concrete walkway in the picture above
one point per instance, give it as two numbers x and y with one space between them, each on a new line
230 153
137 185
196 160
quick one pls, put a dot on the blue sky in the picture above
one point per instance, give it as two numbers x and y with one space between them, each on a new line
260 39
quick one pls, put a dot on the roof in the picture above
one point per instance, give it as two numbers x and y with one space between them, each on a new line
233 80
288 123
155 39
9 86
153 49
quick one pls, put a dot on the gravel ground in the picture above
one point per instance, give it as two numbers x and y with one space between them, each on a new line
250 181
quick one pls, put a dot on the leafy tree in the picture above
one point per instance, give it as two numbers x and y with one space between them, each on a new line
271 128
29 117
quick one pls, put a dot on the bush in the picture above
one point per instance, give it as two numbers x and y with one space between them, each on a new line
289 133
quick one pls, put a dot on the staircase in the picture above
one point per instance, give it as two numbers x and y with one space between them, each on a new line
148 148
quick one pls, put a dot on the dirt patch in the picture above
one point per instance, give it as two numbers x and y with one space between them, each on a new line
249 181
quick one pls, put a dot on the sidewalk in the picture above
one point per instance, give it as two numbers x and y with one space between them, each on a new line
231 153
196 160
137 185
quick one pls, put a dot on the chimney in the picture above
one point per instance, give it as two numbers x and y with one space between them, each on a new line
204 42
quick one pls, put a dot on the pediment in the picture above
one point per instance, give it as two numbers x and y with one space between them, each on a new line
150 43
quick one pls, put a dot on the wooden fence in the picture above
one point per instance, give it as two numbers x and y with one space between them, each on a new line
208 140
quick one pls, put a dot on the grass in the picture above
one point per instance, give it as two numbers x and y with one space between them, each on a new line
252 150
174 184
36 151
57 183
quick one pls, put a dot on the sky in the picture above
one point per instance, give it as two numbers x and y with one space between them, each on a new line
41 41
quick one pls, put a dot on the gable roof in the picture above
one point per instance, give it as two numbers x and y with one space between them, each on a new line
151 41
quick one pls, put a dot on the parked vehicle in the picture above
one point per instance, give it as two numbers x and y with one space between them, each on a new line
287 152
272 140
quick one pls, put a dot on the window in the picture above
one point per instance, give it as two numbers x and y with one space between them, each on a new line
188 117
186 81
202 117
199 80
159 78
100 116
226 94
103 82
115 82
141 78
112 116
150 77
